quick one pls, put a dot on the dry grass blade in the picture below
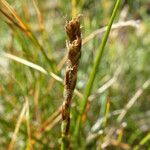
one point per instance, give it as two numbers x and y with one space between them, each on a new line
51 124
22 113
25 62
38 68
73 8
46 125
14 14
58 68
133 100
36 102
132 23
39 16
121 145
29 145
11 21
105 86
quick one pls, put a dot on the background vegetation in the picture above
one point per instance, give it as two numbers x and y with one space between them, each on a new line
117 115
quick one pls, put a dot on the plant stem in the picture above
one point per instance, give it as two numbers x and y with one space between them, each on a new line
50 61
94 70
143 141
74 53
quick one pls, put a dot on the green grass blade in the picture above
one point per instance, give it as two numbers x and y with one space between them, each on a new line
95 66
143 141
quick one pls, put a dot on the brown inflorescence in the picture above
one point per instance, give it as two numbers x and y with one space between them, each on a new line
74 53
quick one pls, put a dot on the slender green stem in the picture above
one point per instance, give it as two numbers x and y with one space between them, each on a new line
94 69
106 113
143 141
50 61
64 141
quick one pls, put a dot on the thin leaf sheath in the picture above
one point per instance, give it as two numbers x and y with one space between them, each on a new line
74 52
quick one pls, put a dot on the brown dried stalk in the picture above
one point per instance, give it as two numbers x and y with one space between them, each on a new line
74 52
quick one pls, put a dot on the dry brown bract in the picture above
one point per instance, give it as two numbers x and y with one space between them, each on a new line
74 52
